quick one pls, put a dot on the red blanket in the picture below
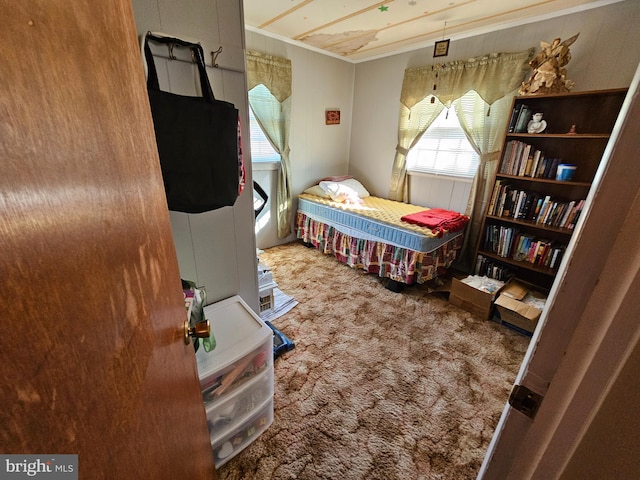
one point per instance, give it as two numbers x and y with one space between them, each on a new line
438 219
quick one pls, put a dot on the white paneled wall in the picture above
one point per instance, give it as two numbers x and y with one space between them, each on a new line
439 192
215 249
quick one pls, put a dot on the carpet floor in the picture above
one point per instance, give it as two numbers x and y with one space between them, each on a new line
380 385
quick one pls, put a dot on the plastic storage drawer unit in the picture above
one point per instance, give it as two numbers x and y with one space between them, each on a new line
229 444
232 375
237 377
232 409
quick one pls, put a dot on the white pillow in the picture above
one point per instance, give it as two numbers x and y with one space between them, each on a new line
317 191
342 193
352 183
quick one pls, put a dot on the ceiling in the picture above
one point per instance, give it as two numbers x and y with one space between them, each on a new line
359 30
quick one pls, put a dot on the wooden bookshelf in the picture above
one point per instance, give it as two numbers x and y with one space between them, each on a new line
522 178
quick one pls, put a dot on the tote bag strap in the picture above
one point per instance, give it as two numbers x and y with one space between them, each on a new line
198 57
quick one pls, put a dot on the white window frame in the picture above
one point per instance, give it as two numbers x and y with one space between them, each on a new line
445 128
261 148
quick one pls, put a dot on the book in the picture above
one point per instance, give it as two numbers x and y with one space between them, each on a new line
509 203
491 242
524 157
553 169
503 198
500 201
536 211
542 165
542 246
494 197
547 168
533 248
547 214
543 209
532 202
514 118
519 203
514 158
576 215
550 212
523 119
567 212
525 213
546 256
534 165
558 214
556 257
518 246
501 240
506 156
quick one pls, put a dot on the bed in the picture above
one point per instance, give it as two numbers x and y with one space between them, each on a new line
375 234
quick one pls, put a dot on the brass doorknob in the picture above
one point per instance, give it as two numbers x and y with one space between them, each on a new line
199 330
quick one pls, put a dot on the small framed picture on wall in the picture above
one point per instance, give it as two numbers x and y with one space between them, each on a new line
332 117
441 49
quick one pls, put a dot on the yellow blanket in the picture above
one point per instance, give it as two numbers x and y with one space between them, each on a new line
380 209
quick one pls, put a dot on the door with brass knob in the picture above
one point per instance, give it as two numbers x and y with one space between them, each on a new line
87 254
199 330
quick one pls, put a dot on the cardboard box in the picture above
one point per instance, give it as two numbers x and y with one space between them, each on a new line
471 299
514 305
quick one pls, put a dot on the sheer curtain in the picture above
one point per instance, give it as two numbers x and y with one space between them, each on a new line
414 122
269 84
484 126
481 90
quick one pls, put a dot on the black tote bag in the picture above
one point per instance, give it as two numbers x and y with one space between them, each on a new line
197 138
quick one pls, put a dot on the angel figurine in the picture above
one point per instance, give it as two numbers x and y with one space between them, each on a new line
536 124
549 74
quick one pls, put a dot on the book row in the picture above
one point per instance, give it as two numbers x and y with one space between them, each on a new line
508 201
492 269
509 242
520 117
524 160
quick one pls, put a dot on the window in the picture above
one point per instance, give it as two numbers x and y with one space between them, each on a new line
444 149
261 149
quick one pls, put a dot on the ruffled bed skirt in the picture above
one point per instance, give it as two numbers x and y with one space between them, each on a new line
387 261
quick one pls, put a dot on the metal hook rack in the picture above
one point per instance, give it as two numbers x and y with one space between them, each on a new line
170 47
214 57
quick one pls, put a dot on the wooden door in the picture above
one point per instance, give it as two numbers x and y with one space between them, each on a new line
92 358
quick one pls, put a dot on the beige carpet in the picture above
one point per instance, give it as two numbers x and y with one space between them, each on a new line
380 385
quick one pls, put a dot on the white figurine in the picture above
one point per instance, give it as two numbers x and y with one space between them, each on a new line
536 124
